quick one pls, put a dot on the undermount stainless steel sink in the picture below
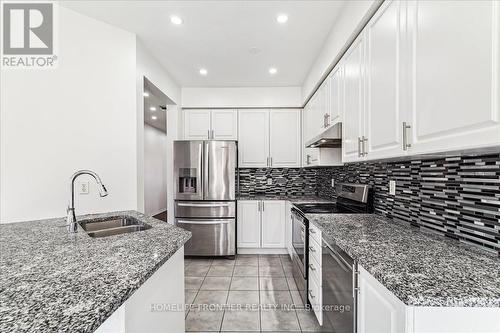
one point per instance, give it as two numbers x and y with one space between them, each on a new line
113 226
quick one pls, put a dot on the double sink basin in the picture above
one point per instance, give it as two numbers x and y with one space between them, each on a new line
113 226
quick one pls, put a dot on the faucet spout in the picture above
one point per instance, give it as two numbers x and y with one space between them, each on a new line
71 217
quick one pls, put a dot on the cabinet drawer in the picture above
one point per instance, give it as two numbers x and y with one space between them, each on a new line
314 251
315 271
315 233
316 299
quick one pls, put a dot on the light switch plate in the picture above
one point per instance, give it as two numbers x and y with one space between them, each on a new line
392 187
83 187
269 181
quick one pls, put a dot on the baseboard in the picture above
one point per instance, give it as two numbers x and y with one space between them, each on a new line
261 251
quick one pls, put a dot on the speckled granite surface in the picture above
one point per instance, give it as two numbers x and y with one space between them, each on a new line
52 281
294 199
420 268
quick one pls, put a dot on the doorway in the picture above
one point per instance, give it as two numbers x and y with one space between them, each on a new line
155 151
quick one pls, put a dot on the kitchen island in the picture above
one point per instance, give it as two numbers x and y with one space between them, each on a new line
52 280
415 280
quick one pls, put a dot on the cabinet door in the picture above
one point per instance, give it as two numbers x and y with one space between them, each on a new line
253 144
456 75
384 116
379 311
284 129
273 224
196 124
248 224
336 100
288 228
353 100
225 124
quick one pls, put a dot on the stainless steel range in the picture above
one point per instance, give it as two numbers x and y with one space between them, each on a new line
204 173
351 199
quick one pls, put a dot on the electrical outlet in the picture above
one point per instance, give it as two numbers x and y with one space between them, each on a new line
333 182
83 187
392 187
269 181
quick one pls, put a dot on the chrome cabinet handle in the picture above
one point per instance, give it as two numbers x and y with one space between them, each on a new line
308 159
312 249
364 140
406 127
263 205
311 266
310 293
267 161
270 161
360 152
312 231
327 120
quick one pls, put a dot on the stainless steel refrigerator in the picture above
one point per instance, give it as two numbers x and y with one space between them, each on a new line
205 173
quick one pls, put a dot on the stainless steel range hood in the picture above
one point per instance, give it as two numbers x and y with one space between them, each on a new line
331 138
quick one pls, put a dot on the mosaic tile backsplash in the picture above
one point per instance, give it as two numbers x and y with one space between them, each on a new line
458 197
285 181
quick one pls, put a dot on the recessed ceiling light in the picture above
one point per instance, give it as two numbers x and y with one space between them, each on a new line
145 94
175 20
154 117
203 71
282 18
273 70
152 108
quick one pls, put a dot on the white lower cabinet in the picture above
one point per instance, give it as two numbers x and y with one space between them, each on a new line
380 311
261 224
288 228
248 224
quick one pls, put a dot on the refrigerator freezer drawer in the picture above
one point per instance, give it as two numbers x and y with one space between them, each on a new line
210 237
205 209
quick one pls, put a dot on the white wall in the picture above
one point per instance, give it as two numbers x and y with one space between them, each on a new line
155 166
80 115
347 23
241 97
149 67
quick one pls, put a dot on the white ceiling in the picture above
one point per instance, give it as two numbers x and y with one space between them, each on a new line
217 35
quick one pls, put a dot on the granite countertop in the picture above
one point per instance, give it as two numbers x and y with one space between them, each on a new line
54 281
292 198
420 268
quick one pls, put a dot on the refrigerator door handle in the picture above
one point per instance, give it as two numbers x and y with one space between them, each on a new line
203 221
206 170
203 204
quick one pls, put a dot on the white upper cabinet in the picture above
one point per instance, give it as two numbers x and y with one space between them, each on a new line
284 138
210 124
336 100
196 124
273 224
455 81
269 138
384 114
353 119
253 143
224 124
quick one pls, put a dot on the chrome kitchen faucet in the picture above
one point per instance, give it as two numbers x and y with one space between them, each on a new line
71 218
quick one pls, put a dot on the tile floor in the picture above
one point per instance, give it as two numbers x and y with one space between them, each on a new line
253 293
